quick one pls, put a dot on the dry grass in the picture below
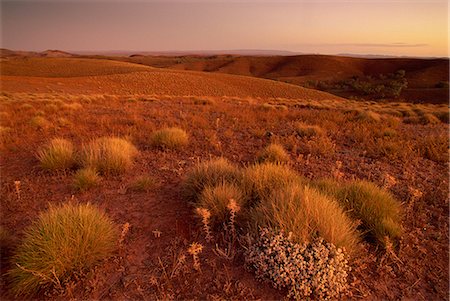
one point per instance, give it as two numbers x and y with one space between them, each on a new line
307 214
274 153
434 148
216 199
63 241
169 138
58 154
144 184
109 155
209 173
40 122
86 178
260 180
308 131
380 213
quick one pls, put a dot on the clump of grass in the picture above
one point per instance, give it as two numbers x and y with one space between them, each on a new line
307 214
434 148
379 212
86 178
209 173
109 155
72 106
275 153
367 116
443 116
260 180
40 122
318 146
64 240
170 138
216 199
144 184
429 118
308 131
58 154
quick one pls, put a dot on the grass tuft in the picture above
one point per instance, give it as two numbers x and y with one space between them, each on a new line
64 240
86 178
109 155
58 154
216 199
379 212
209 173
144 184
274 153
171 138
308 131
308 215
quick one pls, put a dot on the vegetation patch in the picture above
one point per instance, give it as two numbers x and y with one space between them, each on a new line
86 178
64 240
58 154
169 138
109 155
274 153
209 173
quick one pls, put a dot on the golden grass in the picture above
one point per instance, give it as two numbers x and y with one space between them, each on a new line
274 153
143 184
260 180
40 122
434 148
171 138
209 173
217 198
380 213
307 214
64 240
58 154
72 106
86 178
109 155
308 131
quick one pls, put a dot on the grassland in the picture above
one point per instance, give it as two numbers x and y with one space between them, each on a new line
395 145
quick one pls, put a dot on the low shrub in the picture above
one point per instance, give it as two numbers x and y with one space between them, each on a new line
86 178
109 155
58 154
170 138
209 173
64 240
216 199
274 153
316 270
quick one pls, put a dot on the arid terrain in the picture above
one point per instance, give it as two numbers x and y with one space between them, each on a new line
230 107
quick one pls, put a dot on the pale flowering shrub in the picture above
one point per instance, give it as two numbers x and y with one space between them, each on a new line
315 270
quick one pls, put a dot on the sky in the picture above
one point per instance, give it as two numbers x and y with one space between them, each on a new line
396 27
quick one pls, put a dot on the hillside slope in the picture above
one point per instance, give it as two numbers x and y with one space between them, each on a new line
74 76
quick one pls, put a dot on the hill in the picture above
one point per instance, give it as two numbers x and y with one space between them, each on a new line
106 76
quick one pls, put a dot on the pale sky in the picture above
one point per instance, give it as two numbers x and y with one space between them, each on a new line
398 27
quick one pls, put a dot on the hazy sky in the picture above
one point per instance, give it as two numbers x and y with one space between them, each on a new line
399 27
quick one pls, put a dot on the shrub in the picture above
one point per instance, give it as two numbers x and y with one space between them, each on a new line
379 212
216 199
308 131
109 155
58 154
274 153
86 178
209 173
64 240
260 180
171 138
315 270
144 183
307 214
